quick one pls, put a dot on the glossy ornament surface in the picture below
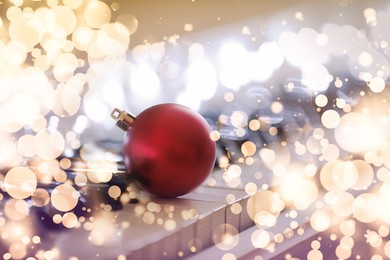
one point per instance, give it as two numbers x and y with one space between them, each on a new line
167 149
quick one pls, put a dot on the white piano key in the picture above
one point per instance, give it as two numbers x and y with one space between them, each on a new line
245 220
183 238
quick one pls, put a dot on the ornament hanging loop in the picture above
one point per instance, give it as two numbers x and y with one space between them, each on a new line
123 118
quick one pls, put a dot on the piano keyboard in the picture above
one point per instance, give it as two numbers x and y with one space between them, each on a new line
148 227
212 222
181 227
190 227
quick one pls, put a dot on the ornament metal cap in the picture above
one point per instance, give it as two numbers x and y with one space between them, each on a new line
123 118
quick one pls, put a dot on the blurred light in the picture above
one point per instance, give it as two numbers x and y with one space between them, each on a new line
64 197
16 53
357 132
113 93
24 107
73 4
27 31
232 52
321 100
366 207
260 238
225 237
239 119
141 53
81 124
201 80
235 69
60 21
117 31
95 108
128 20
196 51
315 76
330 118
65 67
320 221
370 15
302 48
32 80
53 123
83 37
271 52
20 182
186 99
65 101
298 189
377 85
259 67
49 144
157 51
97 14
365 59
145 83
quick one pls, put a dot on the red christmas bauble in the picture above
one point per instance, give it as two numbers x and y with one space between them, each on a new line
168 150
